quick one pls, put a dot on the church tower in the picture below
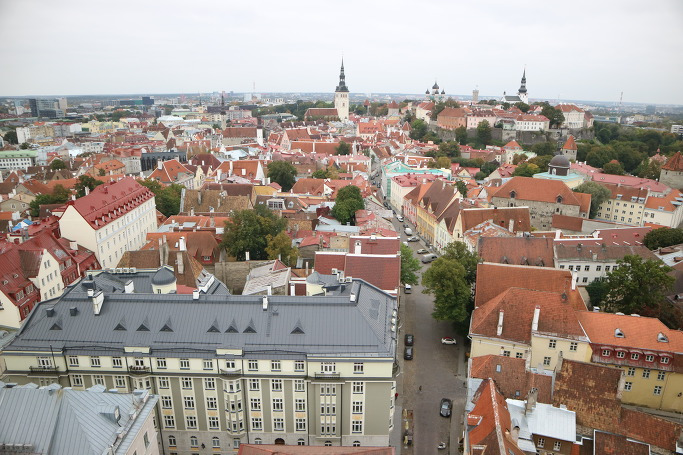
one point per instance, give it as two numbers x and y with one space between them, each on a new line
522 89
341 96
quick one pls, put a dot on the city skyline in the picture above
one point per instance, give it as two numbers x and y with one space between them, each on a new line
592 55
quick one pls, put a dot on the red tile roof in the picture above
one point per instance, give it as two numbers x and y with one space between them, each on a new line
512 377
516 219
675 163
240 132
570 144
535 251
613 444
363 266
375 245
542 190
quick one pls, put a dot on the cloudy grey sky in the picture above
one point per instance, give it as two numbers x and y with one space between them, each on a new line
590 50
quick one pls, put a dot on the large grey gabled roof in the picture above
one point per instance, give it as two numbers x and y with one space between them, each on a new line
358 321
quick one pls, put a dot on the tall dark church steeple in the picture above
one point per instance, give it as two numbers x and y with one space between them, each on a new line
342 80
522 88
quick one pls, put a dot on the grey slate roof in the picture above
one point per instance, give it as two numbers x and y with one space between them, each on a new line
331 325
68 422
111 282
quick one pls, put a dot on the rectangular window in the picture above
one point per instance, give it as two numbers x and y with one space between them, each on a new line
541 442
186 383
664 360
44 362
184 364
98 379
189 402
163 382
161 364
166 402
646 373
587 268
169 421
191 422
519 355
506 353
299 365
552 344
635 356
557 445
255 404
117 362
357 427
73 361
573 346
77 380
213 423
571 267
649 358
229 364
95 361
276 385
546 361
299 385
300 405
598 268
208 364
607 268
275 365
621 354
605 352
328 367
254 384
277 404
357 407
256 424
357 387
120 382
658 390
660 375
584 279
631 371
628 385
279 424
358 367
300 424
210 383
253 365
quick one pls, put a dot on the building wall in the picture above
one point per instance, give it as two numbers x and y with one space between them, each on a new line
664 217
543 355
642 388
49 278
547 446
625 212
541 212
482 346
9 316
585 272
145 442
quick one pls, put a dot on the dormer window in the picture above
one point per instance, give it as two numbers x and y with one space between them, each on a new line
513 194
662 338
635 356
618 333
664 360
559 199
605 352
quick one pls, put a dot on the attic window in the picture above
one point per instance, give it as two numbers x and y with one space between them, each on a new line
250 328
143 328
56 326
213 329
232 328
166 328
513 194
559 199
618 333
298 329
120 327
662 338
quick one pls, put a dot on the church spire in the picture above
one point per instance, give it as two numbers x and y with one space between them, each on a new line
522 88
342 80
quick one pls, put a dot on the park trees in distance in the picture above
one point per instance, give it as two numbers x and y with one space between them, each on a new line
283 173
599 194
663 237
57 164
349 200
248 230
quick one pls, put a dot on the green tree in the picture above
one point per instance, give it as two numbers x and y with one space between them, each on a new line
522 106
555 116
418 128
597 291
544 148
446 281
348 201
458 251
24 146
216 126
599 194
484 132
443 162
462 187
637 286
57 164
320 174
541 161
248 230
343 148
167 198
461 135
409 266
648 169
450 149
526 170
59 196
11 137
282 172
86 181
663 237
280 247
613 168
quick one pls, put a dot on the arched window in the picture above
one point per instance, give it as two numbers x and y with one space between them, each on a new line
559 199
258 441
301 442
172 441
356 443
328 443
216 443
513 194
194 442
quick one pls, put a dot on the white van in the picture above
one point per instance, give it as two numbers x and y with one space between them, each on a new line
427 258
409 232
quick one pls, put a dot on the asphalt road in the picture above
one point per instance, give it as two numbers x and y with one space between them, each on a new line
440 370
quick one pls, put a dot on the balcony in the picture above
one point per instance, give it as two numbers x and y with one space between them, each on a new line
139 369
43 369
230 372
327 375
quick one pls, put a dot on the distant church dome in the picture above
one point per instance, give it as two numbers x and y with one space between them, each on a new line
435 86
559 165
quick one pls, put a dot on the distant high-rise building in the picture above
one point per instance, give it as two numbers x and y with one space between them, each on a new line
147 101
475 95
38 105
341 96
62 104
650 109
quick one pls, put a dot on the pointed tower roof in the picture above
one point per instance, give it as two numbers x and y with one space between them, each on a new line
342 80
675 163
570 144
435 86
522 88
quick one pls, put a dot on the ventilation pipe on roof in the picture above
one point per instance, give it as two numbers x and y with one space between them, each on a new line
180 263
292 289
358 247
182 245
129 287
195 294
265 303
97 301
537 314
87 190
499 330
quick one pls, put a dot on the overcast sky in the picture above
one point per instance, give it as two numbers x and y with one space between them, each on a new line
589 50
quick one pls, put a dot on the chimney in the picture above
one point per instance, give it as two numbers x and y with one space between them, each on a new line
180 263
531 398
558 366
270 289
292 289
192 211
87 190
499 330
181 244
574 282
357 249
159 165
514 434
199 197
512 229
537 314
595 256
195 294
265 303
161 252
246 256
129 287
218 174
97 300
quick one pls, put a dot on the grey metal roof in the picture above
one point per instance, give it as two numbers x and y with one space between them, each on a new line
341 324
114 282
163 277
64 421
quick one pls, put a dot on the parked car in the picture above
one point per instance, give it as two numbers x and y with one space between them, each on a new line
446 407
409 232
422 251
407 289
427 258
399 218
408 353
413 239
409 339
448 340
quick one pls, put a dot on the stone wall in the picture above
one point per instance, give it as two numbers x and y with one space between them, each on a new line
234 274
541 212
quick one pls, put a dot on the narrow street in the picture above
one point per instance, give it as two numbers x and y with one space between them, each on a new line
438 368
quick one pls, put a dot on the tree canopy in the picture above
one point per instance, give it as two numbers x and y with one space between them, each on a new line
349 200
636 286
484 133
283 173
86 181
462 188
343 148
59 196
409 266
599 194
280 247
57 164
663 237
167 198
11 137
614 168
418 128
248 230
461 135
526 169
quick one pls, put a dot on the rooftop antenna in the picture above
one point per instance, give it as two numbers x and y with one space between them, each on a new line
621 99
